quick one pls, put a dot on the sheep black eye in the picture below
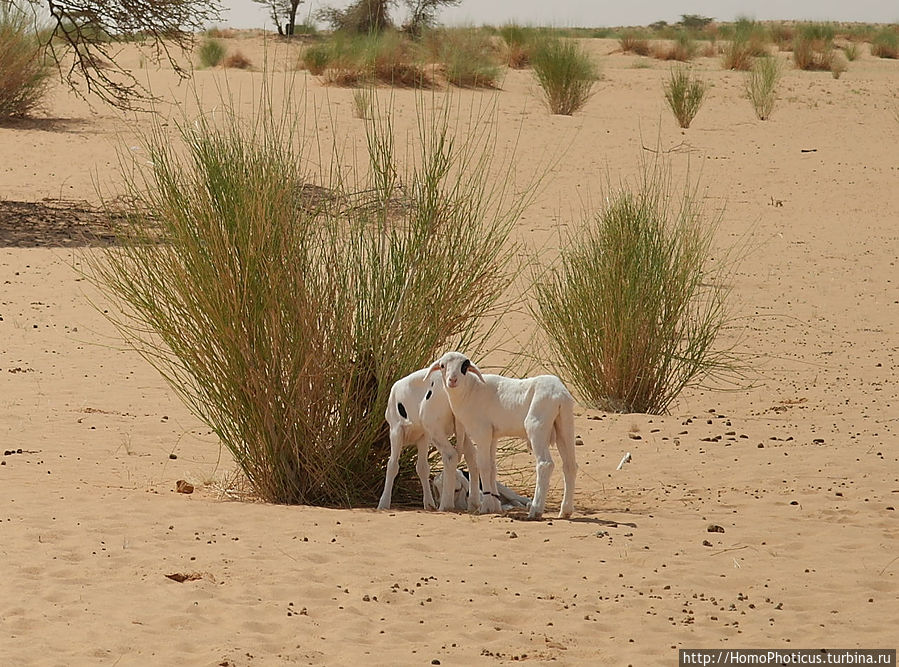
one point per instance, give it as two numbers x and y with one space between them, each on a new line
442 366
465 365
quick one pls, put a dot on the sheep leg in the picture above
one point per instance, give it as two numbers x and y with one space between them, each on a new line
539 435
490 504
474 477
450 463
564 436
470 451
424 473
393 467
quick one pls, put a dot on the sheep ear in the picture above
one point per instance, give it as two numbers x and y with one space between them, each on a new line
434 367
477 371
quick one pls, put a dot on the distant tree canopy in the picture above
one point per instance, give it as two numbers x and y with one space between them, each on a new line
366 16
694 21
92 31
423 14
283 13
363 16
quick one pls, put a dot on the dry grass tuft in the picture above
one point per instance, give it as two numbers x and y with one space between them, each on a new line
469 57
682 49
566 74
886 44
634 42
685 94
813 48
520 44
748 40
352 61
761 85
237 60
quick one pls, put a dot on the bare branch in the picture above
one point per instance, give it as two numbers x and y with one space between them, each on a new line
93 31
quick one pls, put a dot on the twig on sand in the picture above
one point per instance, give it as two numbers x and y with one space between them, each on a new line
879 574
715 553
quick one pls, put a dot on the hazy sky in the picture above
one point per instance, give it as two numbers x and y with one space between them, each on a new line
597 13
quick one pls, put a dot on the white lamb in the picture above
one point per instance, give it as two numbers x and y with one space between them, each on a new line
539 409
419 413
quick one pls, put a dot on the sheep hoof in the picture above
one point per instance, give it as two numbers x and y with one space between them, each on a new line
491 505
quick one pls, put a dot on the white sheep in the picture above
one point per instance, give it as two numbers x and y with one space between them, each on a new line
419 413
539 409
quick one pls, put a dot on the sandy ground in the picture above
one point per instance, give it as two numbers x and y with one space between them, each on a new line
799 472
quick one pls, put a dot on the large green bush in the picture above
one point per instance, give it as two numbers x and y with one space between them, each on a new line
635 305
282 311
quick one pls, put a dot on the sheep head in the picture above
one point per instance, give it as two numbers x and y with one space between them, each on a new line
454 366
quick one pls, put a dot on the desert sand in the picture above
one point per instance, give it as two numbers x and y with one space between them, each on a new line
800 470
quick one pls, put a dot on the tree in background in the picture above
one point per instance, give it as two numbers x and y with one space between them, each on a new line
423 14
367 16
694 21
362 17
283 13
93 32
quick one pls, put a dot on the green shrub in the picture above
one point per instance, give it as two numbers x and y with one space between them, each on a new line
682 48
282 312
632 41
860 32
747 41
316 58
783 34
362 102
813 47
737 55
761 85
24 72
566 74
684 94
211 52
353 60
635 305
520 43
818 32
886 44
469 57
395 61
851 52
